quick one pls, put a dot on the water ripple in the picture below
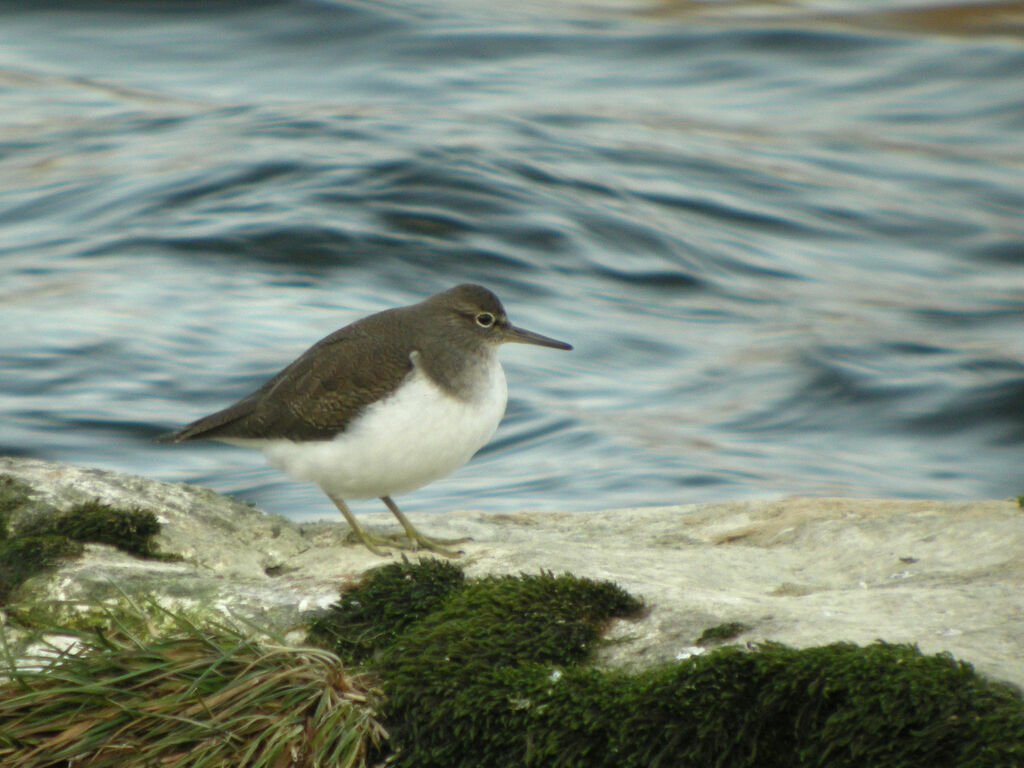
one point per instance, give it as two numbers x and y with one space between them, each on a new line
785 241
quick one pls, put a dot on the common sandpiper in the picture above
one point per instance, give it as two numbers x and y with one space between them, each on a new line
383 406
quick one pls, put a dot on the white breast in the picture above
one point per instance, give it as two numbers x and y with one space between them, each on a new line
418 434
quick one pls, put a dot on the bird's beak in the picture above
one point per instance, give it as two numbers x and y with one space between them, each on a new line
522 336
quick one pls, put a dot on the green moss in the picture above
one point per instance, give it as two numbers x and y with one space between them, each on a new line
838 705
42 536
502 620
25 556
464 682
722 632
13 494
131 530
370 617
500 674
1020 502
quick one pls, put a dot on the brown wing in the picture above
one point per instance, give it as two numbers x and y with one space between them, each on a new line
319 394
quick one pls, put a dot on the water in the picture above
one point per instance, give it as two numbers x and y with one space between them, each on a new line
785 240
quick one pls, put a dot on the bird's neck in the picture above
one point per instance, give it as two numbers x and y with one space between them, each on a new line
463 376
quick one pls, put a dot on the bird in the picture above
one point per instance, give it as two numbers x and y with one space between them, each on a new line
382 406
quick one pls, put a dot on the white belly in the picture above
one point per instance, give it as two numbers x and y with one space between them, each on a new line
417 435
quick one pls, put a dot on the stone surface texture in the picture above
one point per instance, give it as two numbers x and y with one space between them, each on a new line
948 576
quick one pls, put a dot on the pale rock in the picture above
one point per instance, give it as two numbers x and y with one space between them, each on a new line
948 576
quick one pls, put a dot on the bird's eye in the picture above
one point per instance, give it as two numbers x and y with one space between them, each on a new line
485 319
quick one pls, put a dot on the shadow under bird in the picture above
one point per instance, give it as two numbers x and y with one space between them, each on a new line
383 406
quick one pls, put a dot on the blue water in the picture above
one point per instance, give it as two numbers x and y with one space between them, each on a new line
787 241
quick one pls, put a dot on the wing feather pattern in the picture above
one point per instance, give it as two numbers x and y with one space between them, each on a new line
320 393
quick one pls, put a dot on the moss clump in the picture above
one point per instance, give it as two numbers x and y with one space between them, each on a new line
199 697
464 683
25 556
131 530
503 620
722 632
43 536
386 601
839 705
499 674
14 494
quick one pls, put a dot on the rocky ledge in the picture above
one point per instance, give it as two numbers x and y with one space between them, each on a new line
947 576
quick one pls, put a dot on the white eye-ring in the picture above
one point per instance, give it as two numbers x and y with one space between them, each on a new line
485 319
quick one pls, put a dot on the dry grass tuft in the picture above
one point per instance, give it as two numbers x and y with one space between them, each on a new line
203 695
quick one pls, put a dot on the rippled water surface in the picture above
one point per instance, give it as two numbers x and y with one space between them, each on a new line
787 240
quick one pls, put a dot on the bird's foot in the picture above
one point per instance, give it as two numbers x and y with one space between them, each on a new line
418 541
371 541
406 540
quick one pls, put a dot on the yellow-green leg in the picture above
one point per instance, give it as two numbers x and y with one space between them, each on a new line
417 538
368 539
